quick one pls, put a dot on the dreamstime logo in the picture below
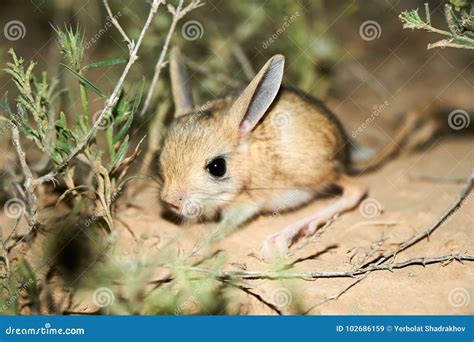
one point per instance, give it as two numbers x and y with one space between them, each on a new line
192 208
14 208
286 24
189 125
103 297
281 119
281 297
370 208
14 30
105 122
192 30
370 30
458 119
37 2
459 297
192 303
14 297
108 24
377 110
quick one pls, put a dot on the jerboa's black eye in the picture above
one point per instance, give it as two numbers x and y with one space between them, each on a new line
217 167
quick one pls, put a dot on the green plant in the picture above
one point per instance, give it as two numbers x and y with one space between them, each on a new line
58 135
70 137
459 15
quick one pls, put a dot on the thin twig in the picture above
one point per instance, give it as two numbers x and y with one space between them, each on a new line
30 196
451 209
178 13
337 295
127 227
220 77
13 231
441 179
242 58
341 274
117 25
4 256
315 236
375 223
247 290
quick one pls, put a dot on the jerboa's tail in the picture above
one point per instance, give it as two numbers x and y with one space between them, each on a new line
417 127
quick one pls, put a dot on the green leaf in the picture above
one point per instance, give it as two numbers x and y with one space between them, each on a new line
61 122
105 63
459 3
138 98
109 138
85 81
126 180
123 129
29 280
120 153
120 109
55 157
71 44
6 106
411 19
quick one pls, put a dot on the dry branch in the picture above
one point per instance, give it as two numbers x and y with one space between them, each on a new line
29 193
248 290
342 274
448 212
359 274
178 13
337 295
117 25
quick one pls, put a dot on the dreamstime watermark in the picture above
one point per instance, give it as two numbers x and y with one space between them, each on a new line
287 203
370 208
103 297
370 30
192 208
281 297
37 3
458 119
105 122
100 213
108 24
192 30
14 297
286 24
14 30
203 110
377 110
46 330
5 126
14 208
281 119
191 304
459 297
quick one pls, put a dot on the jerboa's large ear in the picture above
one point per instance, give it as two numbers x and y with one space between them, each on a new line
180 88
254 101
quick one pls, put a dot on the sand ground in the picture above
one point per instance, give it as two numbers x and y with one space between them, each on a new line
408 205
